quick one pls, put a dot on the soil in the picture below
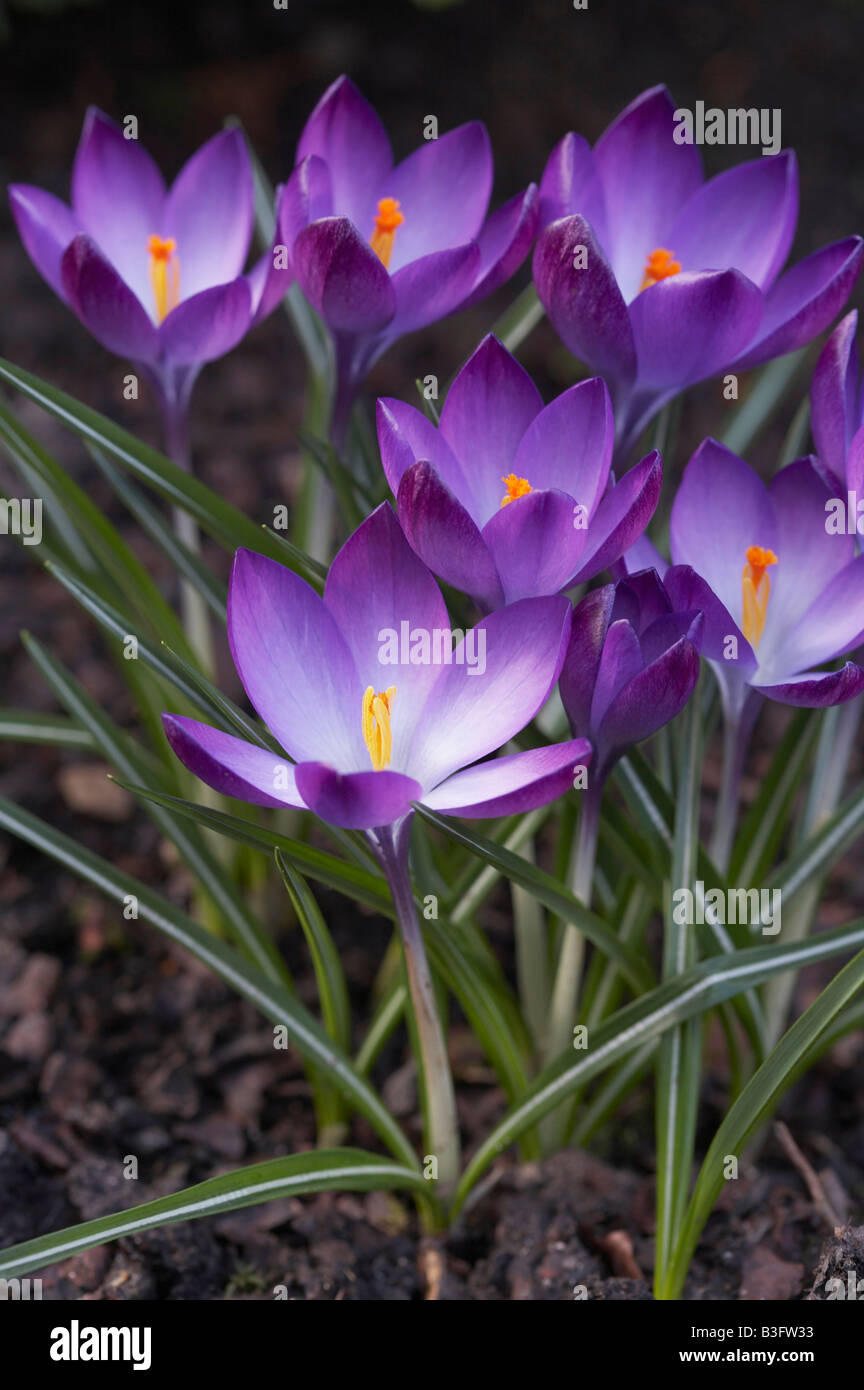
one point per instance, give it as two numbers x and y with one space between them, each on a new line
112 1044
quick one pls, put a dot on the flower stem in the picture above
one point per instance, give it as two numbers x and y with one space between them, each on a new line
441 1123
565 992
737 729
196 618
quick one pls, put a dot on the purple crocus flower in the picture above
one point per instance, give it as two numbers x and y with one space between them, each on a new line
155 274
508 499
837 409
631 665
371 703
676 279
380 250
785 595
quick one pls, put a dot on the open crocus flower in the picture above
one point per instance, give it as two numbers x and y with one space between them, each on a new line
381 250
156 274
631 665
507 499
658 279
786 596
837 409
373 705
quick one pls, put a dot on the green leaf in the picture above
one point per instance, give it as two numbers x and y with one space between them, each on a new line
699 989
54 730
757 1099
329 975
820 850
346 1170
550 893
762 828
753 414
217 517
271 998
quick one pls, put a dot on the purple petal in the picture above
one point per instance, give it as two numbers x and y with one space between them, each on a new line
209 213
585 306
687 591
443 190
591 619
488 409
406 435
569 445
46 227
642 555
294 663
231 765
834 396
342 277
815 690
473 712
641 599
356 800
344 130
831 625
664 632
208 325
433 287
504 241
652 697
622 516
721 508
377 586
744 218
512 784
646 179
306 197
535 544
105 303
805 300
620 661
118 195
445 537
808 557
690 326
268 283
571 184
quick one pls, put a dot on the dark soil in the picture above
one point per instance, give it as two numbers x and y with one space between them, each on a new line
112 1046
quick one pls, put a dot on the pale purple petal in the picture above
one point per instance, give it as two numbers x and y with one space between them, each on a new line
208 325
443 189
433 287
295 665
46 227
817 690
744 218
488 409
377 586
209 213
504 241
571 184
510 785
445 537
405 435
105 303
584 304
804 301
831 625
231 765
342 277
646 179
474 711
687 590
720 509
569 445
344 130
306 198
118 195
356 800
690 326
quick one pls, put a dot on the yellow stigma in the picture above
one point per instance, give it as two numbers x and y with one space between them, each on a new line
755 592
377 734
516 487
659 266
388 219
164 274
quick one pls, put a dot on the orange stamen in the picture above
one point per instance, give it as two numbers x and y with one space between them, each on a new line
659 266
388 219
516 487
164 274
755 592
377 733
